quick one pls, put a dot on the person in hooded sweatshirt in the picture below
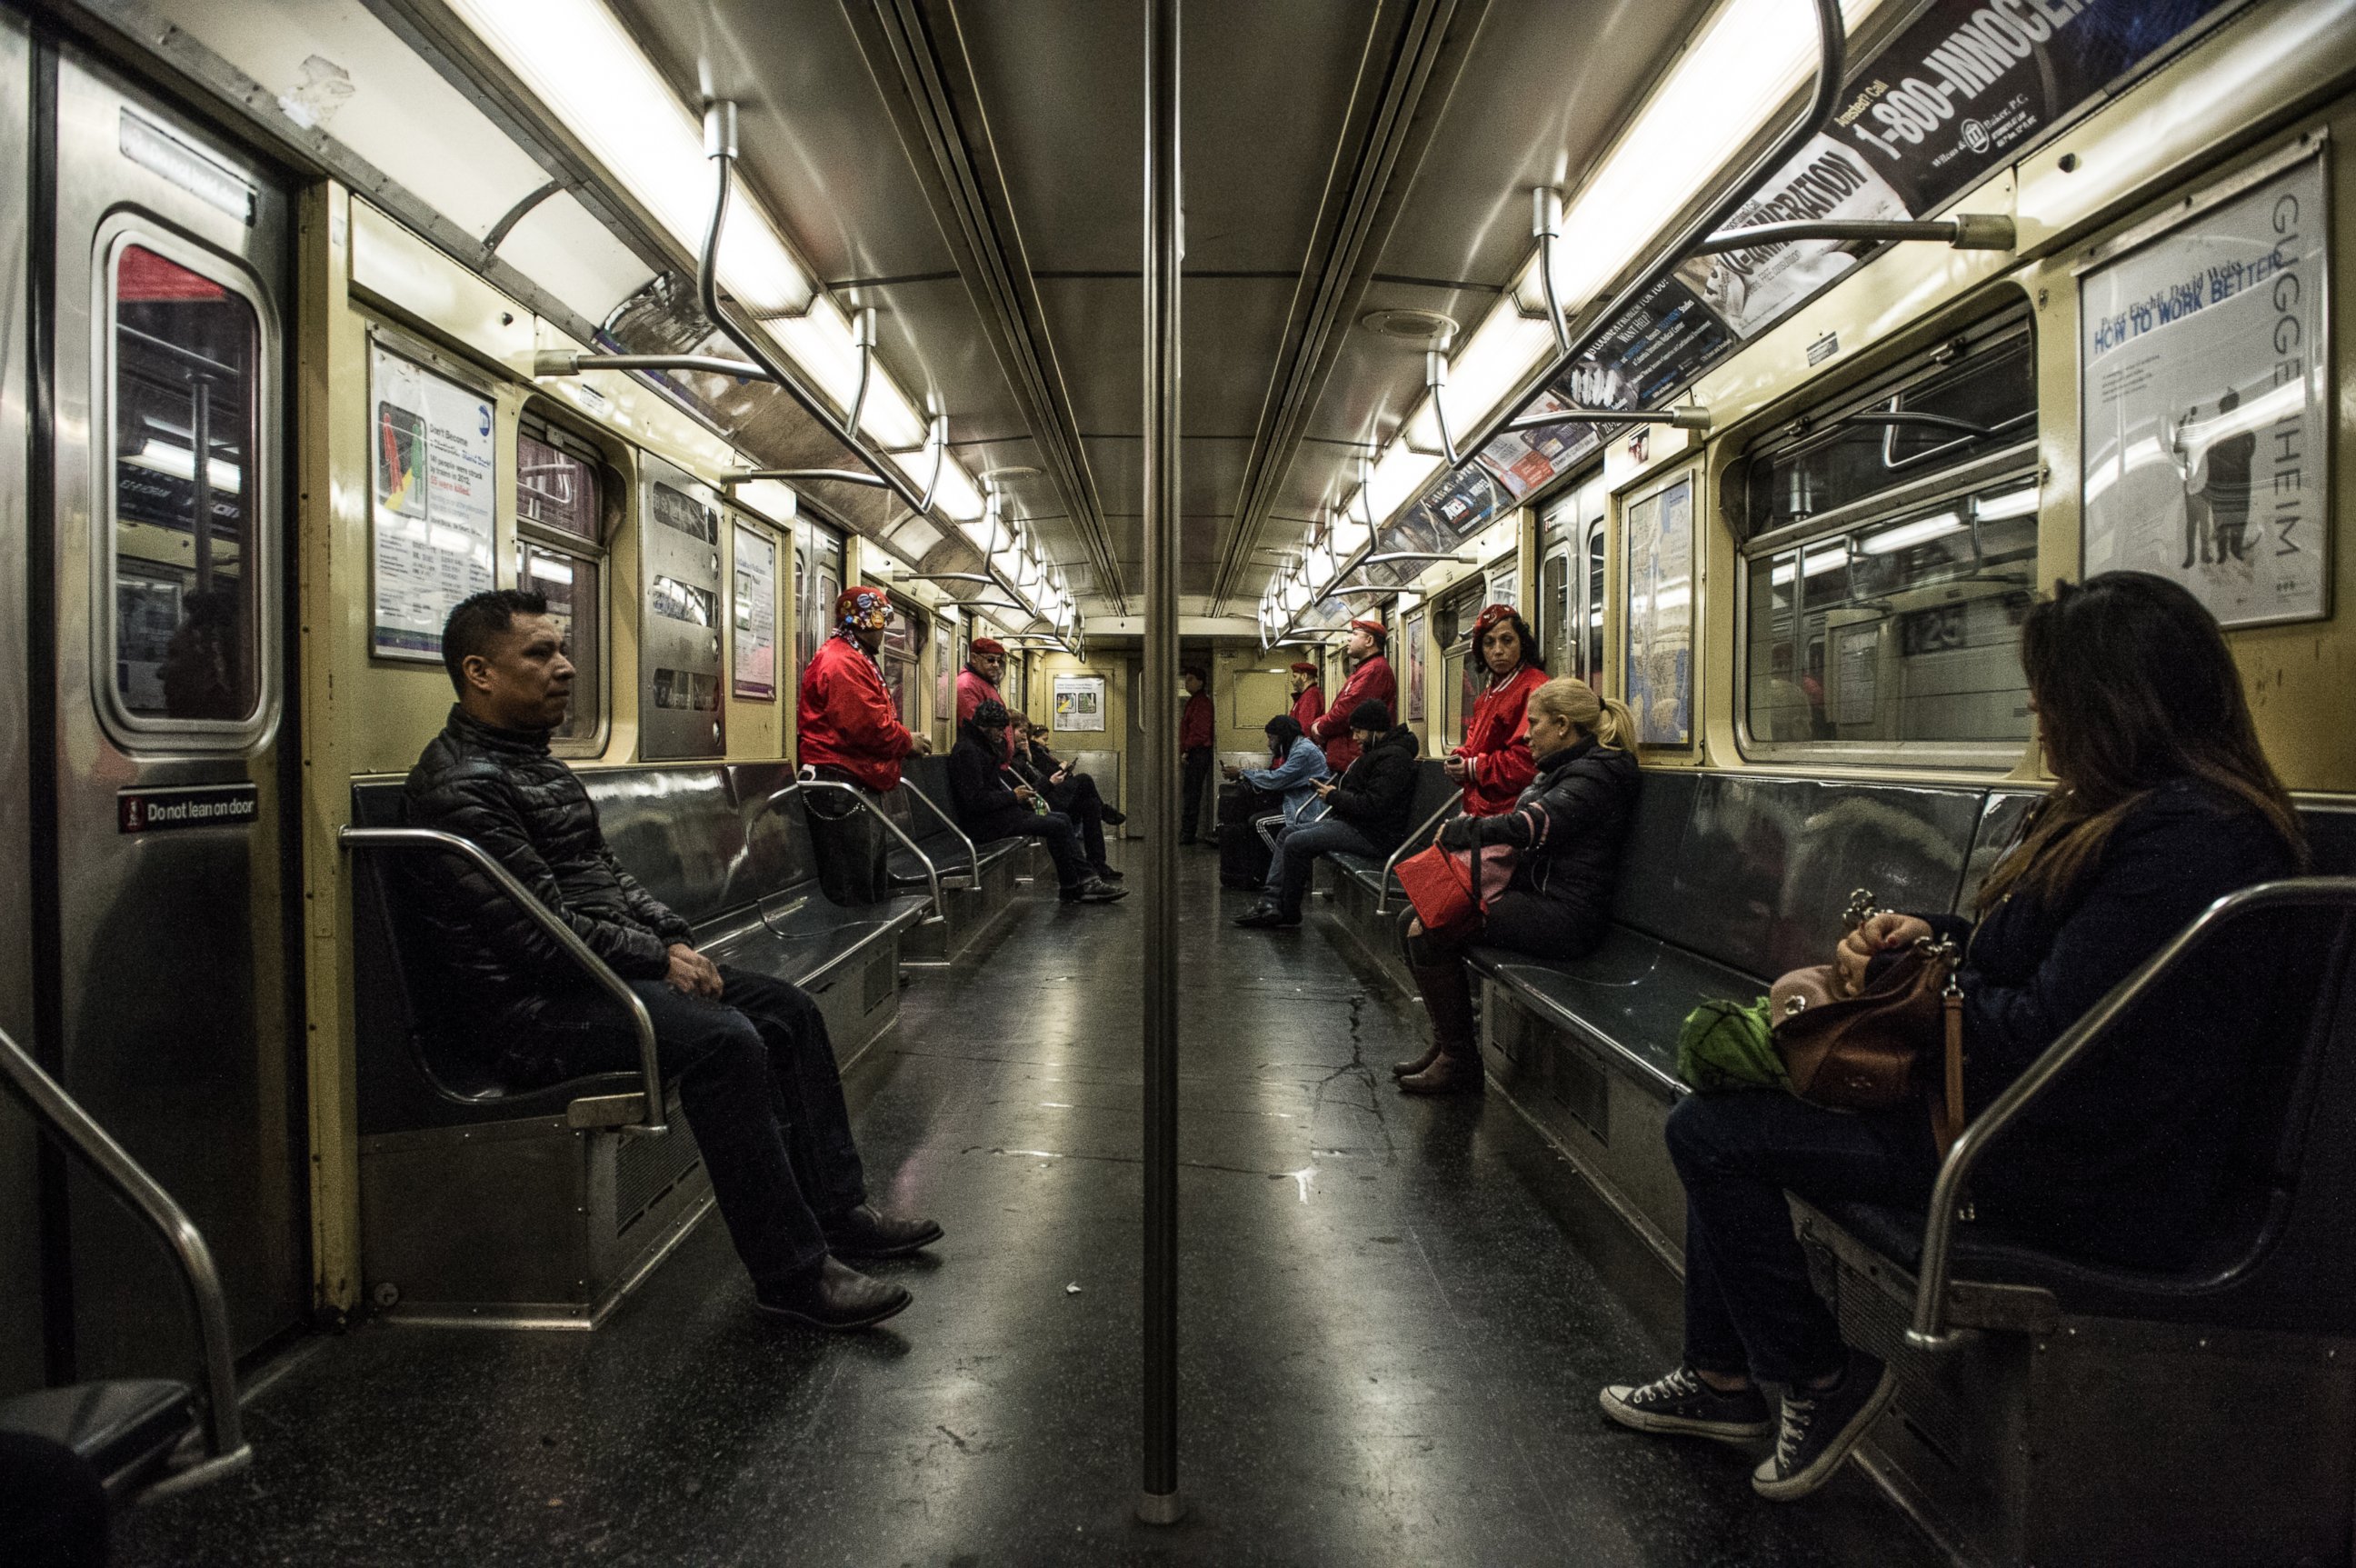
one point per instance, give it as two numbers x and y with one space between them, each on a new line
992 801
1566 828
1365 813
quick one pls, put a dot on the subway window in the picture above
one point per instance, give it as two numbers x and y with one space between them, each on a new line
1572 598
1891 554
904 644
817 582
186 410
560 530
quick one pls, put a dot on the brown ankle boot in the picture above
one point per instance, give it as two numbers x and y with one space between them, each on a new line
1453 1073
1408 1070
1448 999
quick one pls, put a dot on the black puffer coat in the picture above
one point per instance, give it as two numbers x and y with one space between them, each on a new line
503 790
2122 1158
1376 796
1567 826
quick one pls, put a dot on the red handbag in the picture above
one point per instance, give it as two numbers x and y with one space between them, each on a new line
1451 888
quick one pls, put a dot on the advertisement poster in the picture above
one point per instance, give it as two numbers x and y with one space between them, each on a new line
1079 702
2203 369
756 611
1411 639
1751 290
1950 100
431 468
1660 615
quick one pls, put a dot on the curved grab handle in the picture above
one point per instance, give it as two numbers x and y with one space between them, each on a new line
225 1446
433 841
932 875
1383 888
1929 1330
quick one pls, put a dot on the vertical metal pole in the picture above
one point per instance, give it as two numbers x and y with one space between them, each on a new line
1159 1503
200 442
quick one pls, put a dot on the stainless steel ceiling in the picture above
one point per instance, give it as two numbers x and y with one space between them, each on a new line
974 171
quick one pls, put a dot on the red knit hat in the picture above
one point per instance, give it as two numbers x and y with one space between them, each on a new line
988 645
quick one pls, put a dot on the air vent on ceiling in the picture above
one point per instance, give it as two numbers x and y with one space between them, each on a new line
1428 327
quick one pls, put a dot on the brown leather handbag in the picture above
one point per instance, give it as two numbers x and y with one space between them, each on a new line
1877 1050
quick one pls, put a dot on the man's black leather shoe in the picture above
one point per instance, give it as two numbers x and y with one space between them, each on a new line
1266 918
864 1233
837 1298
1106 874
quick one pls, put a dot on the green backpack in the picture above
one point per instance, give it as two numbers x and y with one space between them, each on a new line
1727 1044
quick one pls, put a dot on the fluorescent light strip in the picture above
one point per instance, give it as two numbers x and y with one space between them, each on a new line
1907 535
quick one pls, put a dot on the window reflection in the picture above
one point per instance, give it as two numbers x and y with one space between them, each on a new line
185 407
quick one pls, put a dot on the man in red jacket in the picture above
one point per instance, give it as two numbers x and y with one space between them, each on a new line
1194 744
1308 697
985 663
1370 682
847 732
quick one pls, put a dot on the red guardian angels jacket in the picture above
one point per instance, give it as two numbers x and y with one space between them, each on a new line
972 691
1369 680
845 716
1309 707
1194 724
1496 749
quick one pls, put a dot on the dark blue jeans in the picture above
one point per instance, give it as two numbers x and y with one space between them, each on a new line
1749 1308
757 1080
1297 849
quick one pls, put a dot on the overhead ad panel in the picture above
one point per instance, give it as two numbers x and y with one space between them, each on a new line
1956 96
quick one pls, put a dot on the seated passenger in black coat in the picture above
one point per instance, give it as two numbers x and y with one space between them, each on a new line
755 1072
1365 813
1073 794
1565 828
2163 802
992 801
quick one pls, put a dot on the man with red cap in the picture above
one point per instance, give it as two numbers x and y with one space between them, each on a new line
1370 682
847 730
985 662
1308 697
1196 733
1495 766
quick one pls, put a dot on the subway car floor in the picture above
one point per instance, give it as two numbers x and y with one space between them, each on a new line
1393 1328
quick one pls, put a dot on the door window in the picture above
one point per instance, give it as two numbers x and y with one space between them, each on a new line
560 501
186 409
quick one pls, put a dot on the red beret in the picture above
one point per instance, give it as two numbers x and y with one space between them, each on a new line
1377 627
1304 668
1490 618
988 645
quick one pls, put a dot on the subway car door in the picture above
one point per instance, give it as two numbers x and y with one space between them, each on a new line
163 884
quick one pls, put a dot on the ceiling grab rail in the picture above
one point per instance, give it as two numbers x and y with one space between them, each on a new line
720 147
433 841
1929 1330
1823 103
932 875
63 1116
1964 232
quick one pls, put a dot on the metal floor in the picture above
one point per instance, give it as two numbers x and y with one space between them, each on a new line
1393 1329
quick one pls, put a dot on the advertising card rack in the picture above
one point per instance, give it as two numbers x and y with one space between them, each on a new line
680 714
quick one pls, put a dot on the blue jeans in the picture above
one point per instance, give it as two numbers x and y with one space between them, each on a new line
1297 849
757 1080
1749 1308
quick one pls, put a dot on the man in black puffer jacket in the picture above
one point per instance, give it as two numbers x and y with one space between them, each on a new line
1366 811
755 1072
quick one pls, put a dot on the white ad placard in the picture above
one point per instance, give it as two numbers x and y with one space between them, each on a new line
755 614
1079 702
2204 368
432 473
1753 289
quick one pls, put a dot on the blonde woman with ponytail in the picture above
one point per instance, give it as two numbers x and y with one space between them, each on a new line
1566 828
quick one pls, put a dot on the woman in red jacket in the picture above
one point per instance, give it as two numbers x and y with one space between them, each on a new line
1494 765
848 732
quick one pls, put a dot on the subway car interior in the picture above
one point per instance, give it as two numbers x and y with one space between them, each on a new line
737 731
